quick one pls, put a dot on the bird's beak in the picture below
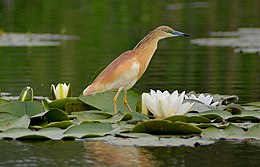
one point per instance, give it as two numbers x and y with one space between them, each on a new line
178 33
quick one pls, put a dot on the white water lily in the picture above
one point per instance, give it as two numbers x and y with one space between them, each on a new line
207 100
164 104
60 91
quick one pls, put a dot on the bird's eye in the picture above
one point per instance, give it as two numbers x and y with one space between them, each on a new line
169 31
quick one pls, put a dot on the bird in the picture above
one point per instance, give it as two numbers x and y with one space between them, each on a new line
122 73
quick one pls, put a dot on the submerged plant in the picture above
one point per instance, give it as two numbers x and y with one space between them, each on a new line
60 91
164 104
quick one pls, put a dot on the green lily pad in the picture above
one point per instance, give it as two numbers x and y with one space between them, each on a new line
14 133
92 115
165 127
52 115
230 132
225 99
193 119
119 116
55 115
52 133
153 141
75 106
133 135
253 116
24 133
245 125
5 116
88 130
104 101
234 108
216 125
136 116
215 115
15 122
101 117
2 101
252 108
254 132
20 109
256 104
62 124
72 104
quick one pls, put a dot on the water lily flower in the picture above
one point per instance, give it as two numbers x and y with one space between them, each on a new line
60 91
164 104
207 100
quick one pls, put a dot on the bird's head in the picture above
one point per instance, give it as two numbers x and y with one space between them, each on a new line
166 32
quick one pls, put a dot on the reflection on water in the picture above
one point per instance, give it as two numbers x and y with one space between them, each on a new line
80 153
33 39
109 155
245 40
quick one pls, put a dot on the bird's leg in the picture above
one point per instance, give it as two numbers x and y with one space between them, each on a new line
115 98
126 103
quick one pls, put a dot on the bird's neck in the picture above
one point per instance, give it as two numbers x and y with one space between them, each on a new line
144 51
148 42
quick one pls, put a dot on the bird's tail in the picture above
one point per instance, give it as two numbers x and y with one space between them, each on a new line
88 91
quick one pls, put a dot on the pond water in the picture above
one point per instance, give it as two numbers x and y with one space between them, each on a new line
78 153
105 30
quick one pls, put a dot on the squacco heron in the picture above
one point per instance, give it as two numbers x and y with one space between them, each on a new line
128 68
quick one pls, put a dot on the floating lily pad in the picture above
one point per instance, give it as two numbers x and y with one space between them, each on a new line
14 122
55 115
245 116
252 106
214 115
165 127
254 132
234 108
133 135
5 116
225 99
69 104
244 125
2 101
139 116
53 133
92 115
231 132
256 104
88 130
141 140
20 109
100 117
14 133
24 133
104 101
62 124
220 125
194 119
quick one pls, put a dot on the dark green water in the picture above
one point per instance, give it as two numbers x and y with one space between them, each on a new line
108 28
76 153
